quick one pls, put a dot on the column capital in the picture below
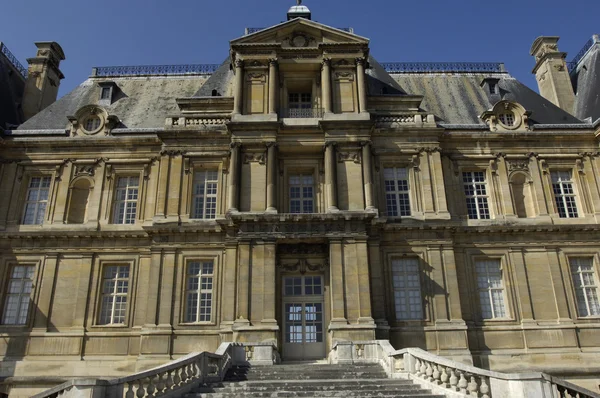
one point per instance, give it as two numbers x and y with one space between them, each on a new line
326 62
239 63
360 61
365 143
271 144
235 145
273 61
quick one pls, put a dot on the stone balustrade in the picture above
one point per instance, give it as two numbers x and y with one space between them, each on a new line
452 378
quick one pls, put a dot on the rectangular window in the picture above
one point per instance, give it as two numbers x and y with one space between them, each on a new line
300 100
115 288
475 189
18 295
36 200
396 192
301 193
406 278
586 286
564 194
491 289
199 291
126 197
105 93
204 200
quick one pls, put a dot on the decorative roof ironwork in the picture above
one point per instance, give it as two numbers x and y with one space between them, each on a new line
13 60
430 67
249 31
573 64
155 70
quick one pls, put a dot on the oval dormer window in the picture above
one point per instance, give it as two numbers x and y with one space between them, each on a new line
92 124
507 119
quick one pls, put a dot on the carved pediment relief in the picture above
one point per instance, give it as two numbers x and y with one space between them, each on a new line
92 120
507 116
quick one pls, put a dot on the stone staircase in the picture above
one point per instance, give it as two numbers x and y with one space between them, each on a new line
311 380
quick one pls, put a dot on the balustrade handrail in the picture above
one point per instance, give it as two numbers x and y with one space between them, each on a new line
13 60
224 352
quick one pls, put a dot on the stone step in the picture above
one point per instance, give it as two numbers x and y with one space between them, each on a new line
351 383
347 393
329 385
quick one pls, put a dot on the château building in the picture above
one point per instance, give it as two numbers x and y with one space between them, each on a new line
301 193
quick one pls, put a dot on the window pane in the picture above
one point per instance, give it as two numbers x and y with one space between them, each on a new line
406 279
115 289
17 299
491 289
397 191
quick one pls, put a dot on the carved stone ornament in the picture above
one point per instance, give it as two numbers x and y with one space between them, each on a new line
518 165
254 157
299 40
92 120
344 76
349 157
302 248
507 116
303 266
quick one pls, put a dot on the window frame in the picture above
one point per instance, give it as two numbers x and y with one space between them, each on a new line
115 201
505 293
180 290
595 276
204 195
191 167
96 307
575 194
9 266
396 193
114 294
113 172
301 186
488 195
49 200
308 165
421 289
186 291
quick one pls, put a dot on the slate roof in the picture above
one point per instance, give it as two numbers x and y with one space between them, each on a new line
586 84
458 98
220 80
12 85
140 102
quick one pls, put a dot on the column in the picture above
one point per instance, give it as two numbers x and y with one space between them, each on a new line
330 173
229 281
360 81
272 177
238 87
270 281
234 176
326 85
367 163
273 84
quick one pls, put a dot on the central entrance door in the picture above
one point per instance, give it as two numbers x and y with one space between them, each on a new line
303 317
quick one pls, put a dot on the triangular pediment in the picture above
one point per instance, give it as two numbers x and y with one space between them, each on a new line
299 32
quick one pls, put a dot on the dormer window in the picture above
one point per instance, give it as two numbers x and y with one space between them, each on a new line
507 119
107 91
92 123
105 95
490 84
493 88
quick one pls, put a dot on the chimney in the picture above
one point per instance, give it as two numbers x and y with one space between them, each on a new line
552 74
43 78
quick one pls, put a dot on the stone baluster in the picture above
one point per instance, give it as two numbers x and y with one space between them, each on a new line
169 382
453 380
238 87
462 382
429 371
444 377
360 81
272 177
273 84
423 369
160 384
473 388
129 393
326 85
234 177
484 389
151 388
417 367
141 391
436 374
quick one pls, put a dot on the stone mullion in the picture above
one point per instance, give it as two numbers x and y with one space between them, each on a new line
522 285
47 279
153 287
163 185
7 184
151 195
81 294
96 195
336 266
165 305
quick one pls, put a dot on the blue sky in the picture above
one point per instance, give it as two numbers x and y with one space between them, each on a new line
135 32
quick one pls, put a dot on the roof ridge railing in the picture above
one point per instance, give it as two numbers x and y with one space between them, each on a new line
586 47
448 67
154 70
208 69
13 60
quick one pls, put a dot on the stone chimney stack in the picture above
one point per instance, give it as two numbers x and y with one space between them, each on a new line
552 74
43 78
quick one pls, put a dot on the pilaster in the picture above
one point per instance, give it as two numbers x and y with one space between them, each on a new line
362 88
326 85
367 164
273 86
272 177
330 176
234 178
42 308
238 87
167 277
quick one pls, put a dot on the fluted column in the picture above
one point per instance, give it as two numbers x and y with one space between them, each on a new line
362 89
367 162
238 88
271 177
273 86
326 85
234 177
330 176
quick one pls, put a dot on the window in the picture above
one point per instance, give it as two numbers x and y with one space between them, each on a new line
115 288
406 279
300 100
586 286
126 197
18 292
493 88
36 200
491 289
301 193
564 194
204 201
396 192
92 123
507 119
105 94
199 291
476 194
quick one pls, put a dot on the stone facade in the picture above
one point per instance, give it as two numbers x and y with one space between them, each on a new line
299 195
